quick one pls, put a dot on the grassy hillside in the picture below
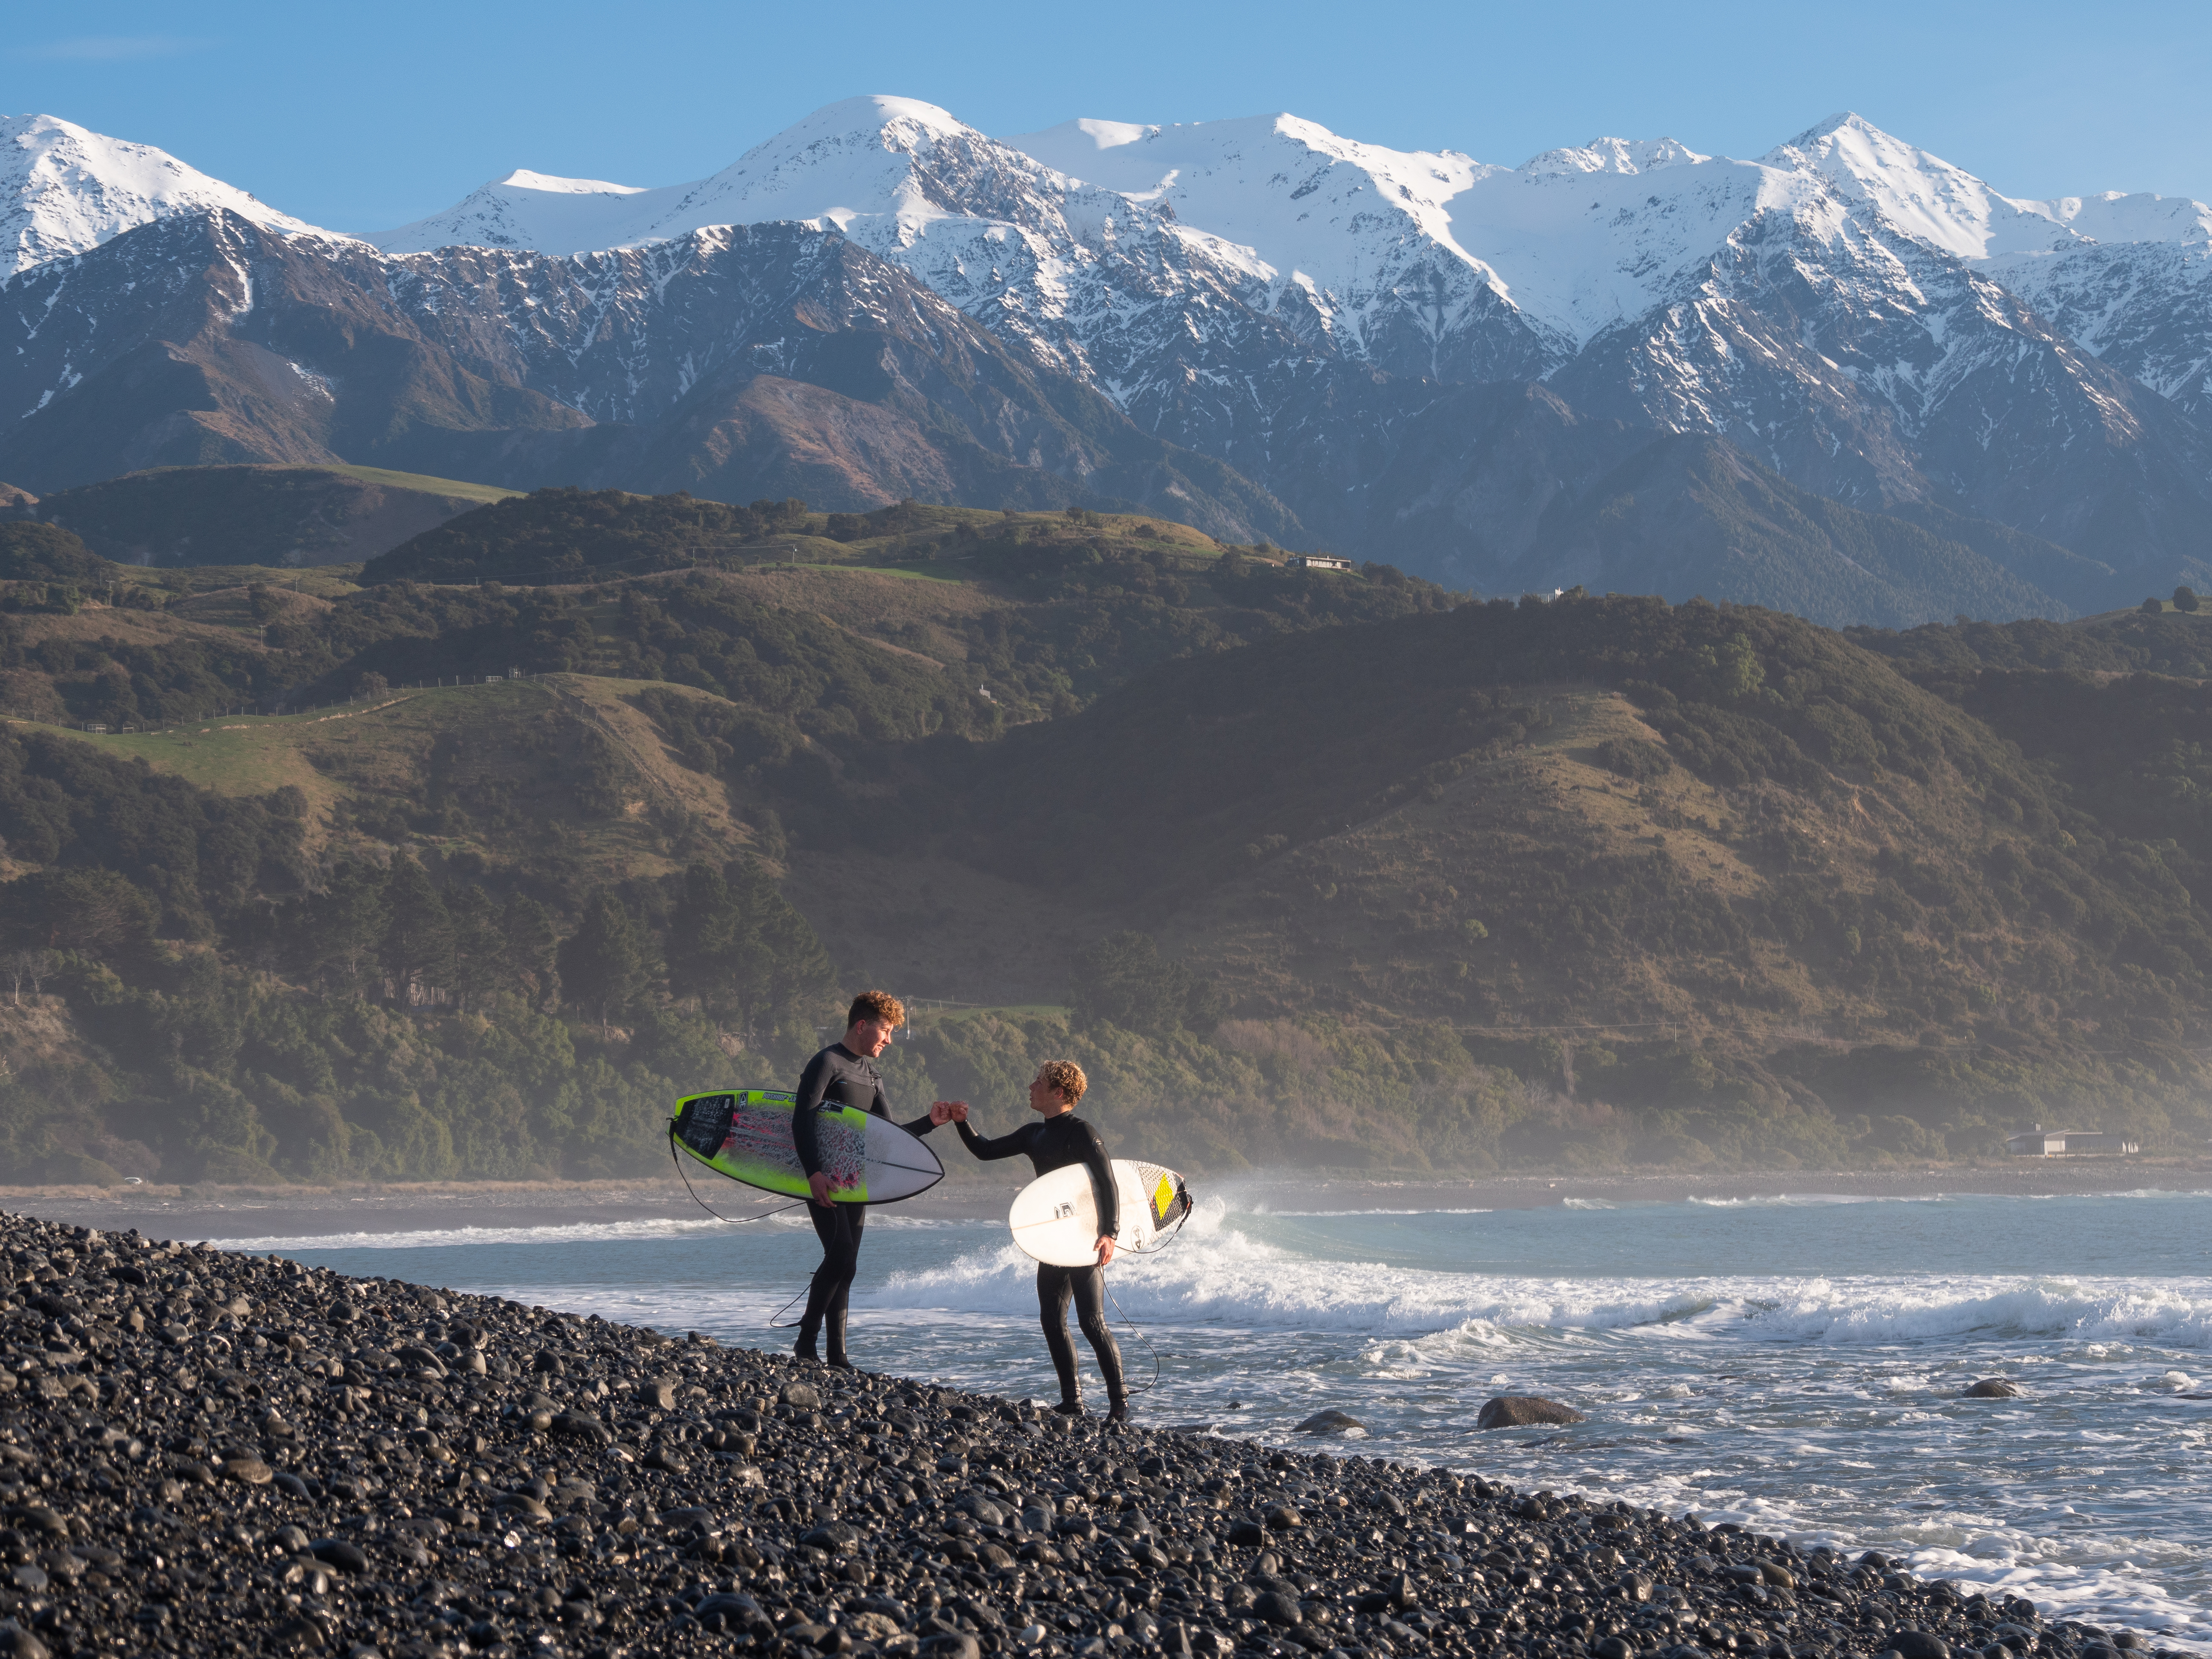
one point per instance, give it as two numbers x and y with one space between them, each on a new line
1303 866
1709 864
279 516
630 788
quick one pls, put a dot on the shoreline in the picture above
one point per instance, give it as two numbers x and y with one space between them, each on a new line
374 1467
306 1212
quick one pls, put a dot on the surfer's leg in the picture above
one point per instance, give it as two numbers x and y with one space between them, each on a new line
1052 1309
855 1217
838 1227
1089 1286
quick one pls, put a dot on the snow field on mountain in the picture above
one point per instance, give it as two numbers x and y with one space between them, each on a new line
64 190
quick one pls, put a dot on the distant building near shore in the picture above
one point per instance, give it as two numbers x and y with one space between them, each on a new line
1316 562
2039 1142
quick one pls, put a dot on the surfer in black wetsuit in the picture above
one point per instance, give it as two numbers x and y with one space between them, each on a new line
1060 1139
845 1074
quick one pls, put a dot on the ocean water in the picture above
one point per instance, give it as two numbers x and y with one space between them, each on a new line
1795 1364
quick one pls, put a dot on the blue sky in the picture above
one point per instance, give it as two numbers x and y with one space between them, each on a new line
360 117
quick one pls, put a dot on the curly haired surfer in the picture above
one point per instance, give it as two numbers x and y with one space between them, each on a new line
845 1074
1062 1138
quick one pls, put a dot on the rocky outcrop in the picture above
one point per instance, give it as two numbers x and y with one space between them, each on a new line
1522 1411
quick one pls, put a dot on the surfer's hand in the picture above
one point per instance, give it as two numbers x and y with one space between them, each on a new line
941 1112
1105 1251
818 1184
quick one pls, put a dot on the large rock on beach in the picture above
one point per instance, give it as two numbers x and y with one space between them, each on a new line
1990 1387
1331 1422
592 1489
1516 1410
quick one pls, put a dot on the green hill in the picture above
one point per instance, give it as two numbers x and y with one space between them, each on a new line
1709 864
1310 866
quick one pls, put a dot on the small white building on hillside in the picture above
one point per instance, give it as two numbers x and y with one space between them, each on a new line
2039 1142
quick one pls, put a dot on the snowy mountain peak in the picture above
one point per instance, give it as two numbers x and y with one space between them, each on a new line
64 189
523 179
1921 194
1622 156
901 117
524 209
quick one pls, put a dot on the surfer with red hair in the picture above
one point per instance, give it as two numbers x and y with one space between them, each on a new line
845 1074
1062 1138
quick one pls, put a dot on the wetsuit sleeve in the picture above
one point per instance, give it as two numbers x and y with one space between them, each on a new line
1101 1179
881 1106
814 1083
1006 1145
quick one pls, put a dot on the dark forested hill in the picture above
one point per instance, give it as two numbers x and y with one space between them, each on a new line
284 516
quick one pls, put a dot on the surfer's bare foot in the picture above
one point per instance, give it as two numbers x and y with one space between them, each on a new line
1069 1408
837 1362
1118 1412
804 1348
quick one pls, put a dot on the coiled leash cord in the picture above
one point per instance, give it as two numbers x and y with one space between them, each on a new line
1182 1191
735 1221
1136 1333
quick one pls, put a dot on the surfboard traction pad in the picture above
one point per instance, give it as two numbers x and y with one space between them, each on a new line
1165 1194
745 1133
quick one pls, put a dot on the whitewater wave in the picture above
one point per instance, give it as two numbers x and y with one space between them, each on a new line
1224 1275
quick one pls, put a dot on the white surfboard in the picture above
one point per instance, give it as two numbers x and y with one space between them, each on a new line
1055 1217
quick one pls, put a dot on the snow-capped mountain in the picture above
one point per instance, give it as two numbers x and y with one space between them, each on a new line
64 190
525 210
1185 270
739 362
1871 322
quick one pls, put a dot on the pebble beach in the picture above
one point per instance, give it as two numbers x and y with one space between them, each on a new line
209 1452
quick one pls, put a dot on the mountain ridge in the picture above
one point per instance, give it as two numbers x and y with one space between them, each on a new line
1848 310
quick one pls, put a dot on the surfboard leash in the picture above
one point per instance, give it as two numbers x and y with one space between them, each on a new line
1136 1331
1182 1191
775 1319
683 1176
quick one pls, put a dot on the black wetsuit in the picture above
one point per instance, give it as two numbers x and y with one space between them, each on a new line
1052 1143
836 1076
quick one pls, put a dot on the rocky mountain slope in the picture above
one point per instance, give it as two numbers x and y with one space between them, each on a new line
1873 325
736 362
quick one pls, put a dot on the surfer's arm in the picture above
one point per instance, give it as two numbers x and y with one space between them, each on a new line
813 1084
1101 1180
1006 1145
941 1111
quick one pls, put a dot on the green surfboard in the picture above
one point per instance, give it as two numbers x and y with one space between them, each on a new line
745 1134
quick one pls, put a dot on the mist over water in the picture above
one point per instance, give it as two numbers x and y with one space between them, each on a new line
1793 1363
